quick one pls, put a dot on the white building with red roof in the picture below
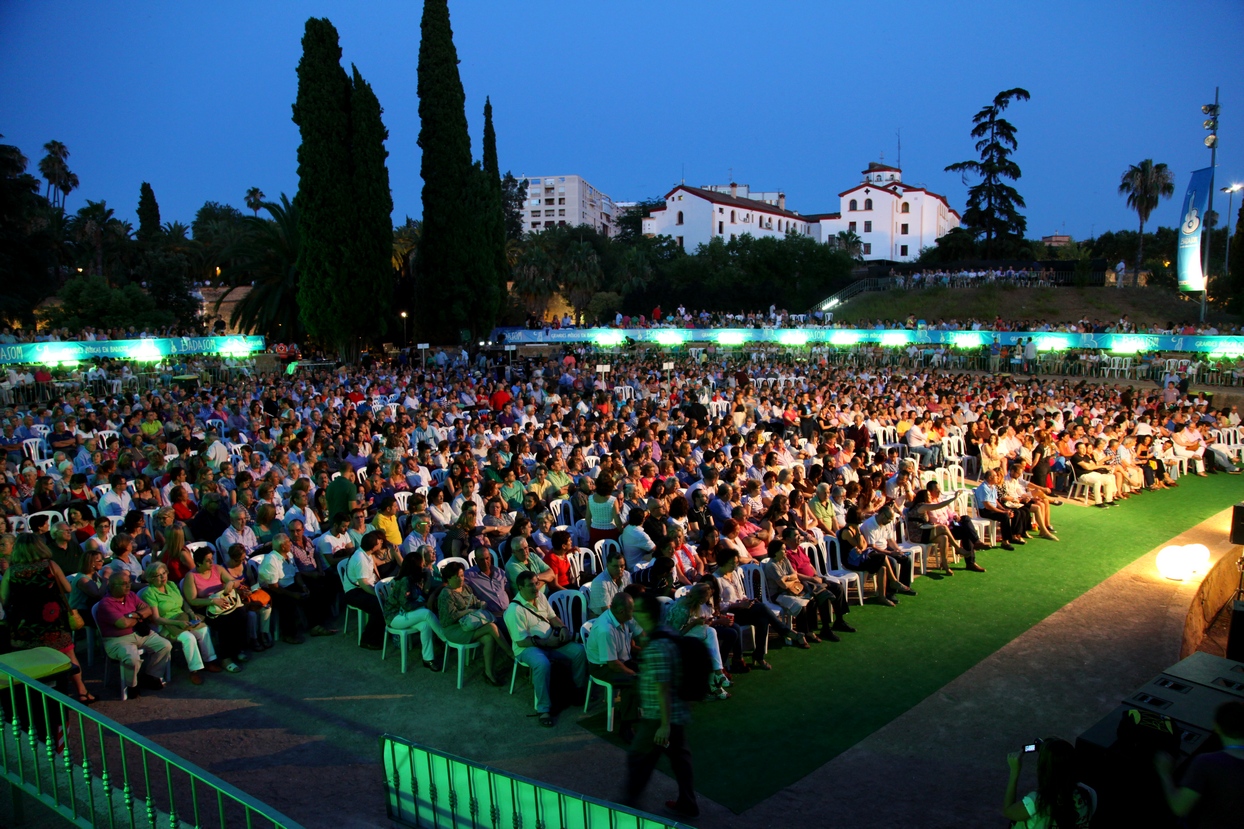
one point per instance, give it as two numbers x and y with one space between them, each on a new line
893 220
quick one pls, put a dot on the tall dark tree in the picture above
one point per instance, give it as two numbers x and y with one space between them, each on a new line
371 246
1145 184
325 200
254 200
492 220
993 205
148 215
25 249
513 192
54 168
446 261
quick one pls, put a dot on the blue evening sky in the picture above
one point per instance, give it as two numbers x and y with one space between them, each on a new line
798 96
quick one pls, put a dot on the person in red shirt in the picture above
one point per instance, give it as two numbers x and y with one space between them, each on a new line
558 558
500 397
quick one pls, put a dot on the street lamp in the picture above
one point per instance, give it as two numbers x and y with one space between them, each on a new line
403 328
1226 262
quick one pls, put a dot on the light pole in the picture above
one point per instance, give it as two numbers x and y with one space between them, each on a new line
1211 141
1226 260
403 328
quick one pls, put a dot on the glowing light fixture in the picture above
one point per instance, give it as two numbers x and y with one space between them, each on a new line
793 338
731 338
844 337
895 338
235 348
607 339
670 337
968 339
1180 563
145 351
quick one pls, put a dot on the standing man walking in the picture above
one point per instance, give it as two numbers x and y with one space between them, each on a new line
663 715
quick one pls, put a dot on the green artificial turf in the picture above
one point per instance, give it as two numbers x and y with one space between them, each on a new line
754 745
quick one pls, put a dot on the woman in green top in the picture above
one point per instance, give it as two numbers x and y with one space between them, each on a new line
174 619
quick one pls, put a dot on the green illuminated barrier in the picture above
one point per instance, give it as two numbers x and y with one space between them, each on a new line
107 775
429 788
151 350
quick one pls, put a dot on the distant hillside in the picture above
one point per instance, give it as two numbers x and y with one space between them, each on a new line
1144 306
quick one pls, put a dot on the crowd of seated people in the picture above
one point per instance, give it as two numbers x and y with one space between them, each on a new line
458 502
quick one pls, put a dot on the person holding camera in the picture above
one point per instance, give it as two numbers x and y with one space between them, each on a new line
540 639
1058 802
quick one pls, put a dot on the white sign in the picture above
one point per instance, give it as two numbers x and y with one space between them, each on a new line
422 346
668 366
511 348
602 368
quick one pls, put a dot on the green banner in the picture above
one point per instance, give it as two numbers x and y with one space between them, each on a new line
147 350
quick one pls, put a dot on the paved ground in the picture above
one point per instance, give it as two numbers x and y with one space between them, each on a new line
288 727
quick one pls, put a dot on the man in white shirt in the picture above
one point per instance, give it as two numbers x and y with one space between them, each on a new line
216 451
360 586
239 532
298 510
278 575
607 584
637 546
532 623
335 544
880 534
609 653
116 501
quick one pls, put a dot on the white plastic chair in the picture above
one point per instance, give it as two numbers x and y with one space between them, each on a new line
345 587
465 650
834 551
565 602
604 547
382 594
402 498
592 681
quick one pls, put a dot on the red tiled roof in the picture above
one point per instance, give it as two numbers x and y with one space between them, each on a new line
873 167
735 201
816 217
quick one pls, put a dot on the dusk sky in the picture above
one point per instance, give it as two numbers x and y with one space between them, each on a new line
634 96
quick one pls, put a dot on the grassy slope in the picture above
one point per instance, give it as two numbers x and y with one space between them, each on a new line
1143 305
791 721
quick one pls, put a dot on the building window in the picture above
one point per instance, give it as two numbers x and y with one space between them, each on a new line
868 204
680 242
868 227
535 225
721 210
679 217
868 248
562 200
731 217
548 201
906 208
902 250
535 213
721 227
548 224
851 226
562 223
852 205
561 212
902 230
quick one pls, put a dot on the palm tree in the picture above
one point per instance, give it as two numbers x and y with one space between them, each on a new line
55 170
1145 184
96 225
535 278
405 243
264 260
634 271
581 275
254 199
849 242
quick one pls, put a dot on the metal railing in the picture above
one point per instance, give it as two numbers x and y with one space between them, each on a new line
857 287
95 772
428 788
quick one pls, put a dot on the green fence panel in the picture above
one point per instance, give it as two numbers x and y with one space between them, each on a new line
432 789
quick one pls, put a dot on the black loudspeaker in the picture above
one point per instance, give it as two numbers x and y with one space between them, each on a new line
1235 635
1237 524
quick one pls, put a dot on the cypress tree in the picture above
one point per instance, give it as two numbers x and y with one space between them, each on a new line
148 215
492 222
371 246
445 273
325 203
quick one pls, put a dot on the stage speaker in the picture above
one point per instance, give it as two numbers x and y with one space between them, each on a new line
1235 634
1237 524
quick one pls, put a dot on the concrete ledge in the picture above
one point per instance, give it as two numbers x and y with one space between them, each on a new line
1216 589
